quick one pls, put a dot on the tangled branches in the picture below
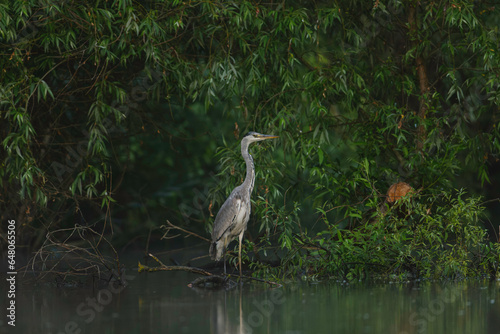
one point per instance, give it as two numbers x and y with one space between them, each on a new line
76 251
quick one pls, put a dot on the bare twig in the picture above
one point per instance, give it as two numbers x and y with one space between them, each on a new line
173 227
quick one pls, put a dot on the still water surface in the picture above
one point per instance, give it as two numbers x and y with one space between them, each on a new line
162 302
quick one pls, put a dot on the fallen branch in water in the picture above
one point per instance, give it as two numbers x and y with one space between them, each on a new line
201 281
278 285
213 282
164 267
224 280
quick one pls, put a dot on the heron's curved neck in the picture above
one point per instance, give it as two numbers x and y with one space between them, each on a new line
250 177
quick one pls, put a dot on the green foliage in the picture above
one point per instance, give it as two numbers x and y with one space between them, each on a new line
423 237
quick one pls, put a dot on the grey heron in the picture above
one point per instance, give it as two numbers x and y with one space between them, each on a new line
232 218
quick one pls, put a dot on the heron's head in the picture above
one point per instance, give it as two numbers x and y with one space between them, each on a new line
255 136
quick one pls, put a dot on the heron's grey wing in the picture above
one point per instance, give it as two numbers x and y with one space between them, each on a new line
226 216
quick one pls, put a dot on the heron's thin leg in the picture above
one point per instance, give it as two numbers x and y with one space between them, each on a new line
239 250
224 257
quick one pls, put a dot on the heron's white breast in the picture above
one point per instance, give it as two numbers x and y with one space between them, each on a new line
241 217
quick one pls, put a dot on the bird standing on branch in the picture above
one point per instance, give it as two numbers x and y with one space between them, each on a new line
232 218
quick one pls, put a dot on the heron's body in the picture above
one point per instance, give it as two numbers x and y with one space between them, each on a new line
233 216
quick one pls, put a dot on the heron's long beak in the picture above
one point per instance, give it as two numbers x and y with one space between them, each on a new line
264 137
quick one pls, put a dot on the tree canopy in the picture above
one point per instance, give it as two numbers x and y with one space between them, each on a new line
119 115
